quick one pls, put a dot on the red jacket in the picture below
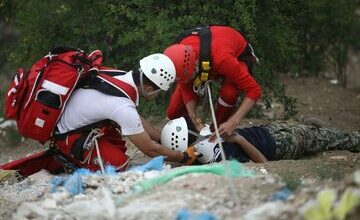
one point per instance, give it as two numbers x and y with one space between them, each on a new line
226 45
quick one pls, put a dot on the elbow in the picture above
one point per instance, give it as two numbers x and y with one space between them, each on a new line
254 93
261 160
258 91
151 153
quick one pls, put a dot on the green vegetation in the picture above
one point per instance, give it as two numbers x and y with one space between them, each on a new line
1 103
327 172
292 181
10 137
298 37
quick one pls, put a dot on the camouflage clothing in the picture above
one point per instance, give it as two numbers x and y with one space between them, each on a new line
295 141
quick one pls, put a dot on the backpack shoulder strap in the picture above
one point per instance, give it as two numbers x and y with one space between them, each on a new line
205 62
106 83
205 49
102 86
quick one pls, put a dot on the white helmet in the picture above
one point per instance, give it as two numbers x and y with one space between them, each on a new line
208 151
159 69
205 131
174 135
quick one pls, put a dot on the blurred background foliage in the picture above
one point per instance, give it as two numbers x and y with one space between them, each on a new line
294 37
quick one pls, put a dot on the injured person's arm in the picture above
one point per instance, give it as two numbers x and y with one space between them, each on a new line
252 152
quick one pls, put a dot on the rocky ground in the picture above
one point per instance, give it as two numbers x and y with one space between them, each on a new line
306 178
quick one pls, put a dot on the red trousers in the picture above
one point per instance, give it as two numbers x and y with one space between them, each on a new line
225 105
111 147
34 163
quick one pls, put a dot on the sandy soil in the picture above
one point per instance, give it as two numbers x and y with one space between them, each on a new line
333 104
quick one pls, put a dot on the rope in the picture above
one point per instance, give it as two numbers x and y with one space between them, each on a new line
89 144
99 156
223 157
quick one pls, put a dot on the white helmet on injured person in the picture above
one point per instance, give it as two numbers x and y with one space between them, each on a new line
207 151
159 69
174 135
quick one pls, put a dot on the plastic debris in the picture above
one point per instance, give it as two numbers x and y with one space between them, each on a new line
281 194
49 204
269 210
74 184
349 200
263 170
111 170
234 169
104 208
323 208
27 209
186 215
156 163
57 181
86 172
7 175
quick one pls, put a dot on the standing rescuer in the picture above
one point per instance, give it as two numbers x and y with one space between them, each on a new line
213 53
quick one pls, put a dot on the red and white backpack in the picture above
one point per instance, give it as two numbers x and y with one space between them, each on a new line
37 97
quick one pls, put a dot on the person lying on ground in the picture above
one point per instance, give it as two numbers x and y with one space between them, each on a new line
275 141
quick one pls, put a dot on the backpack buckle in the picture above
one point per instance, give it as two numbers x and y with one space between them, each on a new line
80 69
205 66
204 76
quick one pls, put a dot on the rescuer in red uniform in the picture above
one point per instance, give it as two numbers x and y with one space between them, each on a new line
228 57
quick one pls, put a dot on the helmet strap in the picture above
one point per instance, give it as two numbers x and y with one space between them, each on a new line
141 81
142 85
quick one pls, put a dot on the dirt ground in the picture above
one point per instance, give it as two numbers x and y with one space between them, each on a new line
334 105
316 97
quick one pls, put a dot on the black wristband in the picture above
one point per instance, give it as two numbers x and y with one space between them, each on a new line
186 157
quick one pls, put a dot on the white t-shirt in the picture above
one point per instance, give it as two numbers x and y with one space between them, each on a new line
87 106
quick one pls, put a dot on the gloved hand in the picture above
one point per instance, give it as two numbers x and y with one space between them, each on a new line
189 156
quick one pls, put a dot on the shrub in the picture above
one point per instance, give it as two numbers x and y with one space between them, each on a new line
288 36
